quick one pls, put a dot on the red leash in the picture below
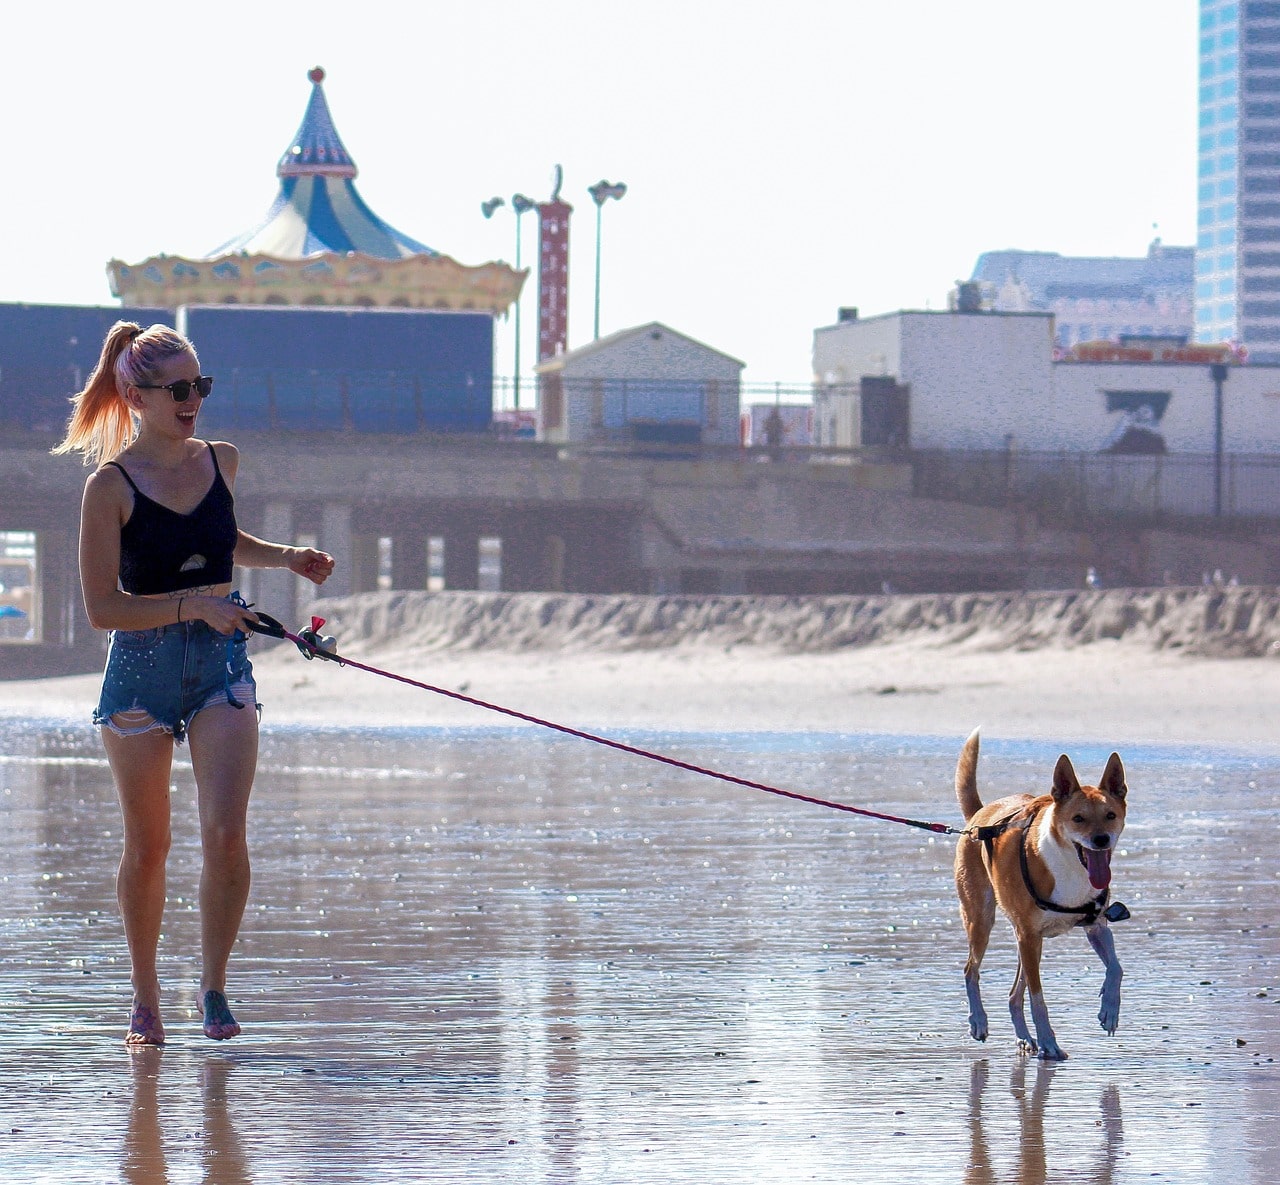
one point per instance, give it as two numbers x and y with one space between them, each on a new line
309 643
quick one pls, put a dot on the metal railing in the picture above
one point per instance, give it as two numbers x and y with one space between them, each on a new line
1075 486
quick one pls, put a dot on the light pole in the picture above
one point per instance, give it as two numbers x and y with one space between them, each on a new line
600 192
521 205
1218 372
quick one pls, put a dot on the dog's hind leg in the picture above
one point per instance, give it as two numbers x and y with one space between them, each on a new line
978 1024
1104 945
978 912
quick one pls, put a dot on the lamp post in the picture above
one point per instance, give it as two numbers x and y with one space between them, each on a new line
601 192
521 205
1218 372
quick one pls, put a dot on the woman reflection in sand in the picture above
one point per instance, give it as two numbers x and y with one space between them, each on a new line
158 540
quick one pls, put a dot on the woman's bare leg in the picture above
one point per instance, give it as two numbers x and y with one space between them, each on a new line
224 754
141 766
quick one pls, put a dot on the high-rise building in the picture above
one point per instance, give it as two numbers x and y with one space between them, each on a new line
1237 290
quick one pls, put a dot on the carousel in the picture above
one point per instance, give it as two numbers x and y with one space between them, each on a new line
319 244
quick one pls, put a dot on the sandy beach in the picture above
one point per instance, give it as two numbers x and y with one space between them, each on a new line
483 952
761 672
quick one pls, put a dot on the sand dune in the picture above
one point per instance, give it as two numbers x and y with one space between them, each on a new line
1210 622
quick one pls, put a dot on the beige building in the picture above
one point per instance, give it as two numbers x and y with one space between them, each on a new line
647 384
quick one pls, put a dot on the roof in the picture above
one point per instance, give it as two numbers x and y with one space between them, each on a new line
318 209
623 335
1049 276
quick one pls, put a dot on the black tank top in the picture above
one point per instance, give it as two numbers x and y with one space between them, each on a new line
163 551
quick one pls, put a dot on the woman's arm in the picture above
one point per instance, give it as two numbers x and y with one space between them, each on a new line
252 552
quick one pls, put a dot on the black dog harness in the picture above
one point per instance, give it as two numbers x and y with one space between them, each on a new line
1089 913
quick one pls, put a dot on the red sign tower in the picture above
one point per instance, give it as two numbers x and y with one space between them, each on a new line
553 274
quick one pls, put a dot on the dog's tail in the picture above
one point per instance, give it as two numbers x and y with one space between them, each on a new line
967 777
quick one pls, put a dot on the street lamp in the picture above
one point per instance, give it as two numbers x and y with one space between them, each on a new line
521 205
601 192
1218 372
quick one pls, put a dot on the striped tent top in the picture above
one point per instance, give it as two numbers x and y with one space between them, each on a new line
318 209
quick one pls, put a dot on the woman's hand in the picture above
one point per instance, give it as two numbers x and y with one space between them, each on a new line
308 562
222 615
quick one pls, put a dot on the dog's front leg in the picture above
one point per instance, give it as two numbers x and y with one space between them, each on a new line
1017 1012
1104 945
1030 949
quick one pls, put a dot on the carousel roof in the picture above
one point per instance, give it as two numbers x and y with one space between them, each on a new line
318 209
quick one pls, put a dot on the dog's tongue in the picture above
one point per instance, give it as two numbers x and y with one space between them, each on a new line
1098 865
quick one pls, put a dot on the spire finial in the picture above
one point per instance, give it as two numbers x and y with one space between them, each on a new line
316 149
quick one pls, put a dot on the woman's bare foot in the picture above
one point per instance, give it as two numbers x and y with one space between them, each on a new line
144 1025
219 1024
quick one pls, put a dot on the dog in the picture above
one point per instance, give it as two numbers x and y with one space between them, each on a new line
1046 861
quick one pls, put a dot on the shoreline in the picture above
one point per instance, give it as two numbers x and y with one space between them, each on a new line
1110 693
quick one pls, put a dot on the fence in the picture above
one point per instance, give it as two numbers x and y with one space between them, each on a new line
1071 486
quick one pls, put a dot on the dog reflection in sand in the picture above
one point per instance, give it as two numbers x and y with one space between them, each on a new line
1046 861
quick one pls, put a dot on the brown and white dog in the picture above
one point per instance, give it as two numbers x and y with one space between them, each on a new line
1046 861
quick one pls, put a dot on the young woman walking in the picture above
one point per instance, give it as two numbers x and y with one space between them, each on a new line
158 540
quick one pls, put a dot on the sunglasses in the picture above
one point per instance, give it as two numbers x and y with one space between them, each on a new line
181 390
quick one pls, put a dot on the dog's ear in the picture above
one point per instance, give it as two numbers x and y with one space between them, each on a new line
1113 778
1065 782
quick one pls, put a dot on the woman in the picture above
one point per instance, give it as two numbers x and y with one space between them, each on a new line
158 539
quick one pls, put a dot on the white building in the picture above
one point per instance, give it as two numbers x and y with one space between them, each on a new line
992 381
645 384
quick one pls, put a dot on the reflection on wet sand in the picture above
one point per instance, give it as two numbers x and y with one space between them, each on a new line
220 1151
142 1160
489 957
1026 1148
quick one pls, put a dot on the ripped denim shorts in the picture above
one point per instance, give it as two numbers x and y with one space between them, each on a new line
160 678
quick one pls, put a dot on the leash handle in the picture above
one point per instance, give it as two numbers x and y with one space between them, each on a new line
268 625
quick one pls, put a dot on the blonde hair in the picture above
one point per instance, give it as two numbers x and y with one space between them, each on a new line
102 423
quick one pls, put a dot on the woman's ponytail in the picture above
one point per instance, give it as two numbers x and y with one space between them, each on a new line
101 424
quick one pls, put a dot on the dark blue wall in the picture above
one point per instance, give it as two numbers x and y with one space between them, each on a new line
46 355
365 370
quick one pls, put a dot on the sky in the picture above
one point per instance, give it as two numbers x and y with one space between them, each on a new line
781 160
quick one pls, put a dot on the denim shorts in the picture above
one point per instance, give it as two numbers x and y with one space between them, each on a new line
160 678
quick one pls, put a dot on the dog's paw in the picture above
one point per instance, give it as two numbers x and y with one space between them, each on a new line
978 1028
1109 1014
1052 1052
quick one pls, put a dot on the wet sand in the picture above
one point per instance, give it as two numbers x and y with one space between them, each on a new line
490 953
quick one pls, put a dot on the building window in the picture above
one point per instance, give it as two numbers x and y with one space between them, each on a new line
19 587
